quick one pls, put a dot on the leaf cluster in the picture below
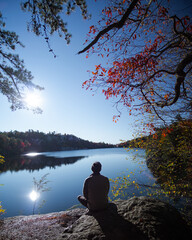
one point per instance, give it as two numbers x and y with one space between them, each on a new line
46 16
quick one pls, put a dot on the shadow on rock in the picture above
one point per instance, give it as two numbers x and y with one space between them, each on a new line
115 227
137 218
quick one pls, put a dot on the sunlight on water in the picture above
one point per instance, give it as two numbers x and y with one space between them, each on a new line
67 172
33 154
34 195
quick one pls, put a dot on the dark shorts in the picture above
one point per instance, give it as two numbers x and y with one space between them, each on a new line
83 200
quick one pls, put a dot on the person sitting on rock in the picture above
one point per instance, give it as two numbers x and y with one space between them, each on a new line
95 190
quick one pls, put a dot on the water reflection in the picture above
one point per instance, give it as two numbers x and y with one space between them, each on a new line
35 161
65 181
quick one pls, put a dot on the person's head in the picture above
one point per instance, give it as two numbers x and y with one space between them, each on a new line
96 167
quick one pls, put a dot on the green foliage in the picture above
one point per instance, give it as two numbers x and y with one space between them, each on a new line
46 16
14 77
12 145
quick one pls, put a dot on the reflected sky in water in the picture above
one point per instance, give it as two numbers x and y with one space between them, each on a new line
65 180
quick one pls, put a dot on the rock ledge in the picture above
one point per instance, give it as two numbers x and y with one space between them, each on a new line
138 218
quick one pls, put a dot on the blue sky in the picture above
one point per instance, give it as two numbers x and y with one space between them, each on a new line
67 108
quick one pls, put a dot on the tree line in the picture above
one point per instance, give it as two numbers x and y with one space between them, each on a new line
15 143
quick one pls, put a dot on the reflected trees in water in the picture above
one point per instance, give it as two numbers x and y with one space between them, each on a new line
36 162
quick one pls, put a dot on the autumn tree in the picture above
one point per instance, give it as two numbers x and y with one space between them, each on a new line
149 52
169 153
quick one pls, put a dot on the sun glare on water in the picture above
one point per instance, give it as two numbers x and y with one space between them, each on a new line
32 154
34 195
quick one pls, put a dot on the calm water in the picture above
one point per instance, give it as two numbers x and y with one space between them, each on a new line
67 172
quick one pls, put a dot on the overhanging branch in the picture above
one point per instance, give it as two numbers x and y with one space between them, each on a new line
12 78
180 80
118 25
184 32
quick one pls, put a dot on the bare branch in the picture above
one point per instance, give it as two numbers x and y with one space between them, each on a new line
180 79
118 25
161 71
154 109
184 33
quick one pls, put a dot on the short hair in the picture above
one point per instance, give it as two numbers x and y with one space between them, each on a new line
96 167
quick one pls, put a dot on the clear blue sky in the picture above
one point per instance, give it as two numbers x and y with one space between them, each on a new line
67 108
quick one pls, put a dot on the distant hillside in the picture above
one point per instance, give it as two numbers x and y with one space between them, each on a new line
16 143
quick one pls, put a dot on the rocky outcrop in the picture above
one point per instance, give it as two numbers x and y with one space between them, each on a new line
134 219
138 218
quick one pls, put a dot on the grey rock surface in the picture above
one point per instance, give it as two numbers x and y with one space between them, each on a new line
135 219
138 218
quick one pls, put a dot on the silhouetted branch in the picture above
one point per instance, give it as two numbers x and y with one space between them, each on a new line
118 25
180 79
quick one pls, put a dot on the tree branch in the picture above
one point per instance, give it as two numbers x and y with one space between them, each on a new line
180 79
118 25
184 33
12 78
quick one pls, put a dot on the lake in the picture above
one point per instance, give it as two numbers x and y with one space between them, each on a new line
66 171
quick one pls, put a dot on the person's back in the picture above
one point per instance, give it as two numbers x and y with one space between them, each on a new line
95 190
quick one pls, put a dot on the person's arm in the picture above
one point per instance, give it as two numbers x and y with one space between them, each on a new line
85 189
